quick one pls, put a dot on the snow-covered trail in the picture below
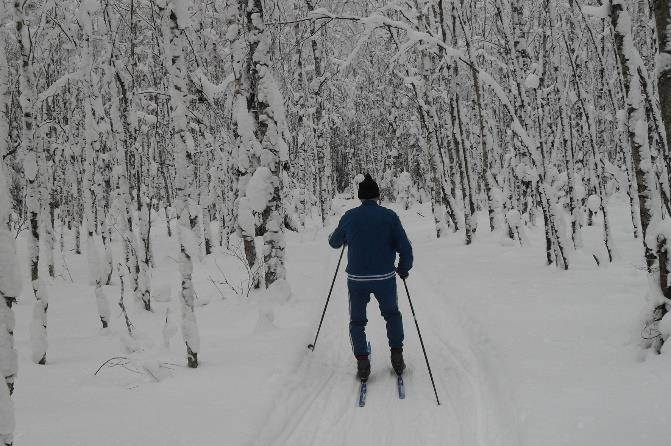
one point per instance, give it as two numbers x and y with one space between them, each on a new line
523 354
317 404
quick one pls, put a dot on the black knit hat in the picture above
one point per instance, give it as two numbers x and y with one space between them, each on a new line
368 189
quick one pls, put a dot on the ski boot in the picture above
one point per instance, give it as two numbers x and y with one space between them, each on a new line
397 362
363 367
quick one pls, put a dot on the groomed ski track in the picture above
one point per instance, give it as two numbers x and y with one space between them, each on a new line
318 401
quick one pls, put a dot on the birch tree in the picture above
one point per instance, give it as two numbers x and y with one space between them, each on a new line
9 277
175 21
34 173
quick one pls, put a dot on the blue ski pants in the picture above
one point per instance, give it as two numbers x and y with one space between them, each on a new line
359 296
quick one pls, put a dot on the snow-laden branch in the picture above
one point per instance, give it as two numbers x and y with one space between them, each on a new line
210 90
530 143
58 85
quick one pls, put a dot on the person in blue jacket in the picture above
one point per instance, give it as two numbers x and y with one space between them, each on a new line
373 235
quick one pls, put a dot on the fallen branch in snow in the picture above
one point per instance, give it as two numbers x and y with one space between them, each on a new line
67 268
217 287
122 360
150 368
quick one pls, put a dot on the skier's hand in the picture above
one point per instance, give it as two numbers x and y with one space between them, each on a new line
402 274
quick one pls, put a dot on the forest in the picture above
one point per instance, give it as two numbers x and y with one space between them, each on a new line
232 128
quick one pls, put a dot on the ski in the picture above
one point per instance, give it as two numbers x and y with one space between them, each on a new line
363 391
400 385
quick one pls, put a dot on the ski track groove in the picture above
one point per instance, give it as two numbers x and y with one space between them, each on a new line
318 404
462 364
474 365
305 408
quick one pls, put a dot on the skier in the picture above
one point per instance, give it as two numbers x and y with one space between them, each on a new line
373 235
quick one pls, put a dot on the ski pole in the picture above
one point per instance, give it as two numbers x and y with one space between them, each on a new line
426 358
312 346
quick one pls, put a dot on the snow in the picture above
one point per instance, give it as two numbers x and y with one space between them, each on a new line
259 189
280 290
246 219
513 218
662 63
658 230
665 325
59 84
30 166
180 8
522 354
532 81
10 284
6 411
579 190
598 12
320 13
594 203
169 328
210 90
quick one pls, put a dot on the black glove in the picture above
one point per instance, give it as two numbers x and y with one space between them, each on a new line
402 274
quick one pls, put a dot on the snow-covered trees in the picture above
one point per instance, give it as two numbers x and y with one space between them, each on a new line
261 134
637 123
122 113
175 21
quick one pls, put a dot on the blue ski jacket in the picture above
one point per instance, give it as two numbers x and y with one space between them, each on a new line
373 235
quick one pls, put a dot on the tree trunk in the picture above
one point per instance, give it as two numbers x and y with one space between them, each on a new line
174 34
9 277
31 166
638 141
663 22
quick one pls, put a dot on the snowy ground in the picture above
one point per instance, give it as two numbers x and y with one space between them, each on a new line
523 354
